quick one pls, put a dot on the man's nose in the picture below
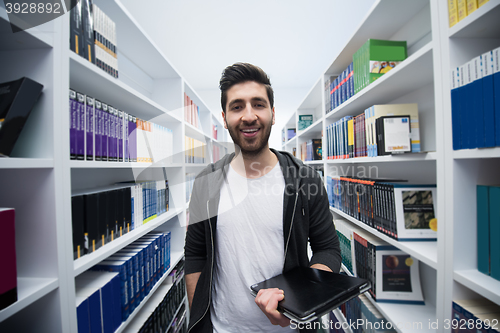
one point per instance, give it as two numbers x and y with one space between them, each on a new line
249 114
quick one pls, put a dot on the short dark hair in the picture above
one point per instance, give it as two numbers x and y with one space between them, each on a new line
242 72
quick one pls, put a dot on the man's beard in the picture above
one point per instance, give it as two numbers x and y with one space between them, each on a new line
256 147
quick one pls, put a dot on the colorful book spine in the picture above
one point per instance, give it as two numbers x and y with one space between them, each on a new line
89 128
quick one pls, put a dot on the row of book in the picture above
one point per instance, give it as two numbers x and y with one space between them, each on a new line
375 58
475 102
459 9
100 132
137 268
393 274
169 316
102 215
399 210
93 36
195 151
380 130
339 89
475 315
191 112
8 265
488 230
311 150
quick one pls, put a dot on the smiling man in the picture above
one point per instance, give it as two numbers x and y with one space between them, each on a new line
251 216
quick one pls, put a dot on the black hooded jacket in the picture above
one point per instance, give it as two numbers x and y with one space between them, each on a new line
306 217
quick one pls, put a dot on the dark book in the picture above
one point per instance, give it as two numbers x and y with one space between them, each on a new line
310 293
75 27
17 99
88 30
77 218
8 267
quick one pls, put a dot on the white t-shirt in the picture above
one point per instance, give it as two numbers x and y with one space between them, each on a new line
249 248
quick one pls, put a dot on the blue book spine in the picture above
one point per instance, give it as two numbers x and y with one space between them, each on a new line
488 100
80 127
89 129
496 93
72 123
107 308
95 312
124 288
477 99
455 106
83 317
469 108
483 230
117 304
462 92
105 136
494 232
98 128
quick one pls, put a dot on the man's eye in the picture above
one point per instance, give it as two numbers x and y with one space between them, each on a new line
236 108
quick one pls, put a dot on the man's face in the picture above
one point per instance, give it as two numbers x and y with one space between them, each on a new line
249 116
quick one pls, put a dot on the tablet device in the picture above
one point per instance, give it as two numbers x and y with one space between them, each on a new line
310 293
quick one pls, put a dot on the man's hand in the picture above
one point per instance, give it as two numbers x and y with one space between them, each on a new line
267 300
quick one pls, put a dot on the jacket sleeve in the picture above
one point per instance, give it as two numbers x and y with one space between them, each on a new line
195 249
322 234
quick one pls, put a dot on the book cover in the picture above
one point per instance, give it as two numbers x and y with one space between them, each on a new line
481 2
305 120
452 12
317 149
77 222
471 6
416 211
397 277
488 99
88 30
461 9
483 229
494 232
291 133
496 92
455 106
17 100
8 266
80 126
75 27
393 134
105 133
73 109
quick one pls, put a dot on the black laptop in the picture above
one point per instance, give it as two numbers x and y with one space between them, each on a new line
310 293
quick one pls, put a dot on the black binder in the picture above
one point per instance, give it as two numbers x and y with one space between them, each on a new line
310 293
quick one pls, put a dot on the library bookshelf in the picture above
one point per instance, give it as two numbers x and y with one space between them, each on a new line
39 179
448 266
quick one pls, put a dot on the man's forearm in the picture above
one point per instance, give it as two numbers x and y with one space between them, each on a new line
191 282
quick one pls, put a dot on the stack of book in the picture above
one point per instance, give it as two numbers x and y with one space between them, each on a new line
459 9
195 151
311 150
93 36
393 274
98 301
101 215
8 278
339 89
374 59
475 102
488 230
364 135
191 112
170 314
475 315
398 210
140 266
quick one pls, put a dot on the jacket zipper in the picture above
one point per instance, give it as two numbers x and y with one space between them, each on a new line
211 270
291 224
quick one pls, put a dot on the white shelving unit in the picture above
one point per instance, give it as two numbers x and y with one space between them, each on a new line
39 178
448 266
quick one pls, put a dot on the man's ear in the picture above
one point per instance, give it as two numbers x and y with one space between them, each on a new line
224 119
274 119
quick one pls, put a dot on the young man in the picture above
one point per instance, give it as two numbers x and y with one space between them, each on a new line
251 216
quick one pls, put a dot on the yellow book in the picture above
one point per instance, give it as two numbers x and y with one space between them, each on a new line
481 2
452 12
471 6
350 138
462 9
